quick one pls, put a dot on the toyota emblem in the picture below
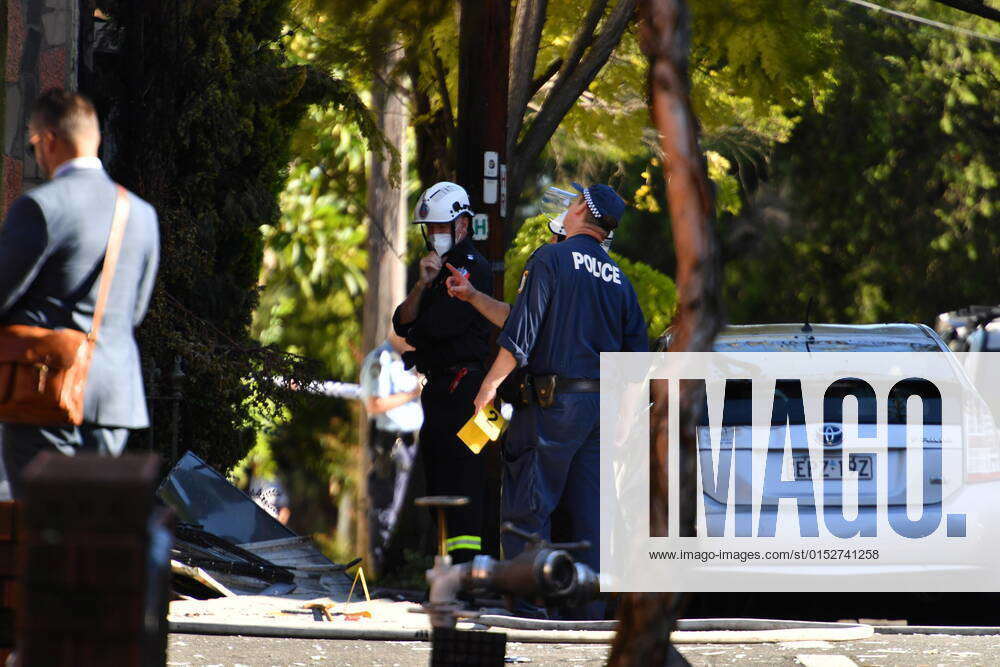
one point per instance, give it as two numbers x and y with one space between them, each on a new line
832 434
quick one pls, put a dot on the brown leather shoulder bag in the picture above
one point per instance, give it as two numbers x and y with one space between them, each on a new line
43 372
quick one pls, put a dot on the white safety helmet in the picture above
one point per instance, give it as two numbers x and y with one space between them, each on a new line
443 202
555 204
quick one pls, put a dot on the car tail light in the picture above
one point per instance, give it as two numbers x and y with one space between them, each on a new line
982 444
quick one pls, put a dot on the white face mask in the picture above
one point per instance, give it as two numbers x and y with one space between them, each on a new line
556 225
441 243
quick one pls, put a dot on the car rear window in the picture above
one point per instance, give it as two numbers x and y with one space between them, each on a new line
739 407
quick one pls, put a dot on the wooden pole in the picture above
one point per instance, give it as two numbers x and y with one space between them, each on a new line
481 156
481 147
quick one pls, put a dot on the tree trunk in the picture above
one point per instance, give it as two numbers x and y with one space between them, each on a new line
433 131
646 619
386 275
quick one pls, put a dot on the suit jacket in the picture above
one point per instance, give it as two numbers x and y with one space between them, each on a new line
52 246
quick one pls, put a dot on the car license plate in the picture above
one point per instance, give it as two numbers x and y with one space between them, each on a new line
833 466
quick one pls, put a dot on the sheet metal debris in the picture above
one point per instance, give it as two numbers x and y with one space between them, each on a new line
228 543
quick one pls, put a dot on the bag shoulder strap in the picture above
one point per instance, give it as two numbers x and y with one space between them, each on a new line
118 221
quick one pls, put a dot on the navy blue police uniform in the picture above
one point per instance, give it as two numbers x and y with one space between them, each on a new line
574 302
452 344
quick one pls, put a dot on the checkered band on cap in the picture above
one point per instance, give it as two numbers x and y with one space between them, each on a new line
590 203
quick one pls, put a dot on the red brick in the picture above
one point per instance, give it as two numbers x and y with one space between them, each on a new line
7 628
8 559
13 178
46 649
84 562
89 493
98 613
8 593
52 69
16 33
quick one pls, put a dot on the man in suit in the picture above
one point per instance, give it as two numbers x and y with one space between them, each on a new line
52 246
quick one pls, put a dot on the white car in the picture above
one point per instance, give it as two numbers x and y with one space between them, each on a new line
976 494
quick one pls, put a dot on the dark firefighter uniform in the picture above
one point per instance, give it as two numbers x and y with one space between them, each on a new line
574 302
452 346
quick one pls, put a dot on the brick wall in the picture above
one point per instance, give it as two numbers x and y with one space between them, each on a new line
41 40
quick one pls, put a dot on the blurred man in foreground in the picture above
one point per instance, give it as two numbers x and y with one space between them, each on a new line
52 247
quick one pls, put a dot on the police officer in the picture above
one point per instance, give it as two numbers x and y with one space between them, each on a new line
451 346
573 303
494 310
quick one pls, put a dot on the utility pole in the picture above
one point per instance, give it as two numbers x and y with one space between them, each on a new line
386 275
481 157
481 141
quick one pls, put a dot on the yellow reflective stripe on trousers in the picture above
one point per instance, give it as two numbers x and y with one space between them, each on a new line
465 542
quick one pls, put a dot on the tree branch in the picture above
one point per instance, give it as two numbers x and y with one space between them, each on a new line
646 619
544 77
567 90
584 37
529 19
973 7
442 83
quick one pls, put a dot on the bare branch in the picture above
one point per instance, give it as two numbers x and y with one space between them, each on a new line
973 7
544 77
584 37
442 83
529 19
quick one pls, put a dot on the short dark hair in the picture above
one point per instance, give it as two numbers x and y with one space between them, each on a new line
64 112
606 222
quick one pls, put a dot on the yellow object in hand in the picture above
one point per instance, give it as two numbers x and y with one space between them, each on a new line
485 425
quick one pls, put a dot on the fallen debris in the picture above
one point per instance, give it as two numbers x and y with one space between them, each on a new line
228 546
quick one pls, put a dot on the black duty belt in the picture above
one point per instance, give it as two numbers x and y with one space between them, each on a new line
577 386
527 389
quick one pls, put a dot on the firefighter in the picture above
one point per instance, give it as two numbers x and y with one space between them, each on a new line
451 346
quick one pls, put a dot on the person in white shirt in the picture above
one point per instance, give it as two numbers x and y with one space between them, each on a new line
391 396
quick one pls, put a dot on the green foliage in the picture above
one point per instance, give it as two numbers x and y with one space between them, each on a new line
313 284
354 35
201 105
656 292
892 186
314 268
533 233
751 62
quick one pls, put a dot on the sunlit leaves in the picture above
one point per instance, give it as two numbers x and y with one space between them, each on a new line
314 263
891 186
